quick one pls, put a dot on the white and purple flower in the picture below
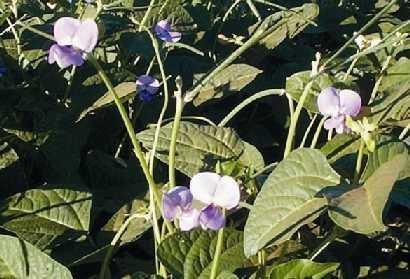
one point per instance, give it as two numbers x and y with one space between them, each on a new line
163 31
147 87
338 104
73 39
204 203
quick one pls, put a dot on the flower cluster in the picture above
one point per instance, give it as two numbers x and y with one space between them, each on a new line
147 87
338 104
74 38
204 203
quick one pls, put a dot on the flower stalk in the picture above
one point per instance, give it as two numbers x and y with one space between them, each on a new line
217 255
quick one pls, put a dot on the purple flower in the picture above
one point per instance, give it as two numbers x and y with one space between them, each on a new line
217 193
163 31
337 104
74 38
147 86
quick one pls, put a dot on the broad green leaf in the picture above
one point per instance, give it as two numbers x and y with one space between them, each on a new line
288 199
397 73
173 250
198 262
287 24
361 209
138 225
189 254
40 215
125 91
20 259
340 145
252 157
7 156
296 83
227 275
198 146
233 78
301 269
384 153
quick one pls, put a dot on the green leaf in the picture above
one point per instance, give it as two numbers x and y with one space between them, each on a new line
361 209
296 83
233 78
7 156
252 157
40 215
340 145
20 259
198 147
189 254
288 199
198 262
125 91
226 275
287 24
302 269
384 153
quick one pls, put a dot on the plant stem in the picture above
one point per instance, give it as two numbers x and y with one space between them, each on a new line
113 245
336 231
218 252
247 101
291 106
295 118
379 79
131 133
146 15
175 127
317 133
359 161
308 130
349 70
404 132
364 28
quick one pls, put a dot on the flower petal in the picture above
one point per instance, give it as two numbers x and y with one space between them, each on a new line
189 219
334 122
162 25
65 29
86 36
177 199
203 186
175 36
328 102
227 194
64 56
212 218
350 102
148 83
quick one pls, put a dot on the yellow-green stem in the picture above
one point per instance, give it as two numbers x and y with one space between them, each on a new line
172 147
217 255
317 132
131 133
359 161
295 118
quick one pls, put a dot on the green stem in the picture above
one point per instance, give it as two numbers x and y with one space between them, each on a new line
359 161
250 42
295 118
364 28
217 255
113 245
317 133
404 132
265 169
312 121
36 31
69 84
175 127
336 231
379 80
146 15
291 106
131 133
247 101
350 69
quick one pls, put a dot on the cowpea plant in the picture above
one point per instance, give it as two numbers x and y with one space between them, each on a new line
204 139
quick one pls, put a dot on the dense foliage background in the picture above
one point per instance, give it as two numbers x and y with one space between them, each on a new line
69 178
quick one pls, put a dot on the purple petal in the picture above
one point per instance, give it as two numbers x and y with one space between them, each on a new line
87 36
189 219
176 200
147 86
175 36
328 102
163 31
227 194
337 123
212 218
163 25
350 102
64 56
145 95
203 186
65 29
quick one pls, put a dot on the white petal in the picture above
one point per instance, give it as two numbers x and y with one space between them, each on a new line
227 194
189 219
86 36
65 29
203 186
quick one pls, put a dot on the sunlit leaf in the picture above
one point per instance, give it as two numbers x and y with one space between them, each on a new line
301 269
